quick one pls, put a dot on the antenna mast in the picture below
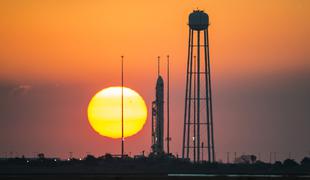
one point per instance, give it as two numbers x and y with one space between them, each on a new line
122 106
168 114
158 65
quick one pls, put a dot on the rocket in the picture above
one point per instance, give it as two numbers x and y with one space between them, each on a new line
158 118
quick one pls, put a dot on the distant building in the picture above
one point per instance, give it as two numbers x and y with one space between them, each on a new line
246 159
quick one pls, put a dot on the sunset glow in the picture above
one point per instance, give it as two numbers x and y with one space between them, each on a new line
56 55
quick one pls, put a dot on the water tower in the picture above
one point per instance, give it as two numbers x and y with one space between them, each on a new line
198 136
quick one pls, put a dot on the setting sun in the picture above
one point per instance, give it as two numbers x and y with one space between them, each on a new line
104 112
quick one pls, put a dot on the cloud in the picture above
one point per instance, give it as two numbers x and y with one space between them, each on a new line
9 89
22 89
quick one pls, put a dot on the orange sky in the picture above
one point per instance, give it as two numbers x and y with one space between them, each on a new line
79 43
70 40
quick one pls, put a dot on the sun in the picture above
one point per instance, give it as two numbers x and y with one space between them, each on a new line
105 112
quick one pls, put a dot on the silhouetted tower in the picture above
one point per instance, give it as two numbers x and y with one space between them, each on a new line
198 117
158 117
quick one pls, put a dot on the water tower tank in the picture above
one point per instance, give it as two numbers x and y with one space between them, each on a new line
198 20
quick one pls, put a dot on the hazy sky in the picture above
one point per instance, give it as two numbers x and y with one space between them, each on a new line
55 55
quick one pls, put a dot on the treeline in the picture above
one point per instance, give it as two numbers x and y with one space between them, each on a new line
164 164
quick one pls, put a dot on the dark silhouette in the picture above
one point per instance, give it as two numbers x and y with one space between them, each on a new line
305 161
290 163
198 93
246 159
152 164
41 156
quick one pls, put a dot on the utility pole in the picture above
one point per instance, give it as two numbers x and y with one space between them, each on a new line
228 158
122 106
168 114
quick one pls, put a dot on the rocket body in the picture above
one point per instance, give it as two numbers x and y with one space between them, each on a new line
158 118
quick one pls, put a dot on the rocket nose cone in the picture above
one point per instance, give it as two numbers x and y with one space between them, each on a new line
160 80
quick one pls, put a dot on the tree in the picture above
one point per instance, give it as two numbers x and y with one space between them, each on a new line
108 156
41 156
305 161
90 157
290 163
